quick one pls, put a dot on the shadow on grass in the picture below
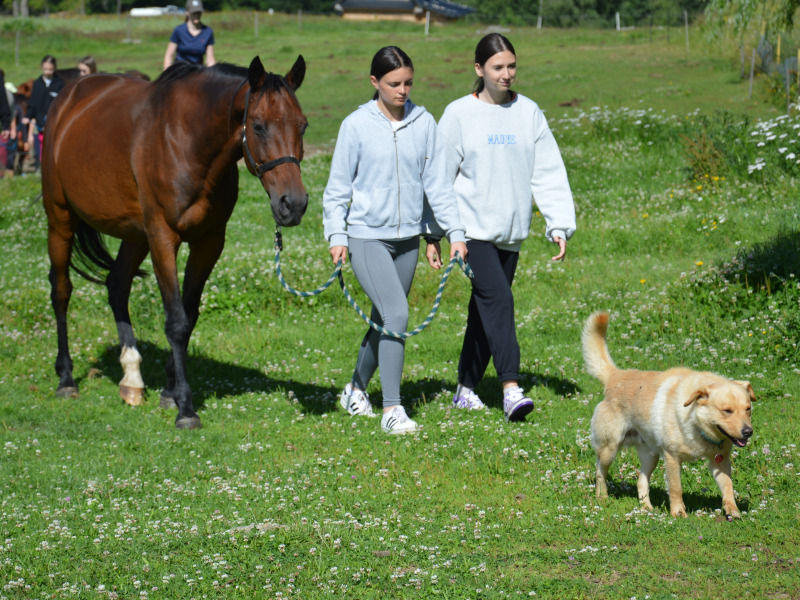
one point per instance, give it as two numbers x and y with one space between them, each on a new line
211 378
490 390
710 501
769 265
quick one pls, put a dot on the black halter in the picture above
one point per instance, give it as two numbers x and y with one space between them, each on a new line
260 168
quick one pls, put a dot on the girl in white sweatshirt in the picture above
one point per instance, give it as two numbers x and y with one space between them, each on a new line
387 155
501 154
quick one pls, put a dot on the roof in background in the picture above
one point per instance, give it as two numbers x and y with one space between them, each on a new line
445 8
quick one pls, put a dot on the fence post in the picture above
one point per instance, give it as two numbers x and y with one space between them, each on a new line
427 22
255 21
616 16
539 20
741 68
300 18
788 93
686 27
752 72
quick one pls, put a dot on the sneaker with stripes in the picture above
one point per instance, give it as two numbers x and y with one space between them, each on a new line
356 402
468 400
397 421
516 405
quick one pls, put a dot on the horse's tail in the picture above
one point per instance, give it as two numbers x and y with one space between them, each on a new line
90 257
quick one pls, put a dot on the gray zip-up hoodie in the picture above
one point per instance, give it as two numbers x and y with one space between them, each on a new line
379 175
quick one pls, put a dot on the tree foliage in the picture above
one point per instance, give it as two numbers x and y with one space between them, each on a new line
555 13
739 17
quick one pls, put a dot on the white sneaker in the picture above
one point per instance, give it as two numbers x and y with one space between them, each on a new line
356 402
396 421
469 401
516 405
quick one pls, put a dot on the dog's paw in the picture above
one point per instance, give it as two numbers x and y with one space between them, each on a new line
731 511
678 511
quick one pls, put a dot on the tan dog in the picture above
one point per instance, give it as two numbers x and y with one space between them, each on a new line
679 413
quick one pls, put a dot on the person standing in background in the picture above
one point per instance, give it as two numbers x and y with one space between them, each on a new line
45 88
192 40
87 66
5 124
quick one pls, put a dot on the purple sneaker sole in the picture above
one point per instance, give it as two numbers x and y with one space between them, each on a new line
520 411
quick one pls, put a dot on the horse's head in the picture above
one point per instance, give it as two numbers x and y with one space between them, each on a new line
272 139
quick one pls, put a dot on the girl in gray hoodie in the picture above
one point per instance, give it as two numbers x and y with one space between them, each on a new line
388 154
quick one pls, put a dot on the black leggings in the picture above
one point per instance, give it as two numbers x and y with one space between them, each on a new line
491 332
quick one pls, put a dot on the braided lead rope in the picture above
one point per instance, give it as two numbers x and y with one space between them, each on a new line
285 284
337 272
407 334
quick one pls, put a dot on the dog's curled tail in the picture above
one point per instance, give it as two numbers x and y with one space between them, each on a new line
595 351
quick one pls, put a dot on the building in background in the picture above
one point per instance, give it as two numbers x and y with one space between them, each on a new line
404 10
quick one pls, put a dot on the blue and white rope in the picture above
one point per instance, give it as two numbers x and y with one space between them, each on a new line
407 334
337 273
285 284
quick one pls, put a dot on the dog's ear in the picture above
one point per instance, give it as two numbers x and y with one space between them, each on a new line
748 388
697 396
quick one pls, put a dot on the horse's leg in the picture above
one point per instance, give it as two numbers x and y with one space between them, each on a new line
164 245
59 247
199 265
119 282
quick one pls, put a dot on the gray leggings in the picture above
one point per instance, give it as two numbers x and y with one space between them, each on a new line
385 269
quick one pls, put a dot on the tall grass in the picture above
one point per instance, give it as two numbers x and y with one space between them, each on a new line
282 494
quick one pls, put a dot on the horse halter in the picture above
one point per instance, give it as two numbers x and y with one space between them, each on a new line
260 168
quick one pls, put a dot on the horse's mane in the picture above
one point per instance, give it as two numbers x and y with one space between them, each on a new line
220 72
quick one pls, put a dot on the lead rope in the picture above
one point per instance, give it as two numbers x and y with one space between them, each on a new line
285 284
337 273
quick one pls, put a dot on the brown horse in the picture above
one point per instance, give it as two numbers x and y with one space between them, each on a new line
154 164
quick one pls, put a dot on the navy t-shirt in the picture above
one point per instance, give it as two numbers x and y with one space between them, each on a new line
191 48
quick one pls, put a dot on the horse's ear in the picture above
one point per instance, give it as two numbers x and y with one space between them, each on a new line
295 77
257 73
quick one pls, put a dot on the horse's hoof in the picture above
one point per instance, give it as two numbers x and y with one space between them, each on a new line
188 423
167 402
131 395
67 392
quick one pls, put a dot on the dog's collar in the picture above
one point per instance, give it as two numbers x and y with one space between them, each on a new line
710 441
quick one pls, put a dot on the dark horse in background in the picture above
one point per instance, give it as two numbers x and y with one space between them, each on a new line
155 164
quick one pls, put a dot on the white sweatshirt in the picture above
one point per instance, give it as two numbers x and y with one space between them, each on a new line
500 156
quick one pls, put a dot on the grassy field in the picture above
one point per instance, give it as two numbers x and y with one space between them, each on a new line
687 233
584 68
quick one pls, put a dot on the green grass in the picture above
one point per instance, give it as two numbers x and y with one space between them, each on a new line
587 67
282 494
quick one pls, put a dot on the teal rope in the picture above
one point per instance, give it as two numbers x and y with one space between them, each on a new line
285 284
407 334
337 272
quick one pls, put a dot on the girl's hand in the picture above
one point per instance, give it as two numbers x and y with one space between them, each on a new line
459 247
562 245
339 253
434 255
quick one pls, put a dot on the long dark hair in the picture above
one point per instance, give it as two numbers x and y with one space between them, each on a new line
386 60
491 44
49 59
